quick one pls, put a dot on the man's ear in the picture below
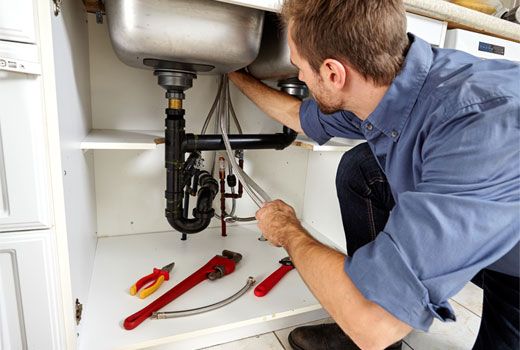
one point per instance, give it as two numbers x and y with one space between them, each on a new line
334 73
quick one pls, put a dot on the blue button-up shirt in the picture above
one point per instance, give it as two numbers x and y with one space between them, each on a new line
446 134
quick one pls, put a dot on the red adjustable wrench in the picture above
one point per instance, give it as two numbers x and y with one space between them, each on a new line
217 267
268 284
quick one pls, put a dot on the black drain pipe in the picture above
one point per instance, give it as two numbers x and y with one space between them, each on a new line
177 178
177 143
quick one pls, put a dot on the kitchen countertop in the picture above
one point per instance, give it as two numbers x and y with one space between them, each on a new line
464 18
456 16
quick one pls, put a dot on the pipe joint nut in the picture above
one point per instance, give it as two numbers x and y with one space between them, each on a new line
175 113
207 214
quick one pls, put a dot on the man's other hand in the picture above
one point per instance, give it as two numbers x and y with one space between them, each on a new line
278 222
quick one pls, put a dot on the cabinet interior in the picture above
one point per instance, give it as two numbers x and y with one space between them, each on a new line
114 197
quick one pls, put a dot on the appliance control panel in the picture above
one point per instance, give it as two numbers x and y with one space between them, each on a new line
19 66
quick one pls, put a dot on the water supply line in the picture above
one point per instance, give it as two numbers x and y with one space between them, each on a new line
291 86
222 104
223 98
257 194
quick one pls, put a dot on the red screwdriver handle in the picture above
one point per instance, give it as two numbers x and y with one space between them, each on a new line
268 284
189 282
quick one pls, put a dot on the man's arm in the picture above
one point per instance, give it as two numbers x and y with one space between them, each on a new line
368 324
278 105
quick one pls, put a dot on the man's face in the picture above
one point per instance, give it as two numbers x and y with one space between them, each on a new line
324 96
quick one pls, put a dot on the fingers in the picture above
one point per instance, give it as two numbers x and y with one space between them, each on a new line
276 220
260 213
271 208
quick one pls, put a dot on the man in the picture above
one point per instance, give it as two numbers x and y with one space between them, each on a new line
428 203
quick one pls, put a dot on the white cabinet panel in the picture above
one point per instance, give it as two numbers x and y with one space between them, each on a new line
12 327
28 316
428 29
17 21
483 46
23 165
321 207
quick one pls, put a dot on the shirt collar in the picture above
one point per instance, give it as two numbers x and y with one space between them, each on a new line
394 109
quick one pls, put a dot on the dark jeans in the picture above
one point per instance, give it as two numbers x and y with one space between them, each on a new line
366 201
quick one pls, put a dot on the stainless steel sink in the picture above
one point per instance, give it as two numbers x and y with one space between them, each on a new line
274 60
198 35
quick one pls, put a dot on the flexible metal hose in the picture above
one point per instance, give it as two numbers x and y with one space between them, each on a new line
257 194
171 314
224 107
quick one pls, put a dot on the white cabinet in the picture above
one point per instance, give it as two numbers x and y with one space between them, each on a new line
17 21
12 325
23 162
481 45
430 30
30 312
28 319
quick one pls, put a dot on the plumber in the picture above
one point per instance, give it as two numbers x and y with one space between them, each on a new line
428 203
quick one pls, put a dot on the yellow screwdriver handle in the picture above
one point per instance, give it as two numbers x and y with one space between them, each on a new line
147 291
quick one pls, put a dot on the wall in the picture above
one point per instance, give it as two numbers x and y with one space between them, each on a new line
130 184
70 42
321 210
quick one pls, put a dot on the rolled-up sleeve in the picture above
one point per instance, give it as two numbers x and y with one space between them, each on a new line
462 217
430 248
322 127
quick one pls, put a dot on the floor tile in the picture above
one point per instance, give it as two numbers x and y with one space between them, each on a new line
471 298
282 334
452 335
406 347
266 341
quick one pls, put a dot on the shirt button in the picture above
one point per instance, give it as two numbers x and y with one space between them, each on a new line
394 134
369 127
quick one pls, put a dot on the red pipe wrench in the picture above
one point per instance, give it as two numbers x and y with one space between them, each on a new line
268 284
217 267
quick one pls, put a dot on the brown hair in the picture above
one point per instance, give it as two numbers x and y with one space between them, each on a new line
368 34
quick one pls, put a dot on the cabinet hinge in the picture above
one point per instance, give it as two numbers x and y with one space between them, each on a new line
79 311
57 7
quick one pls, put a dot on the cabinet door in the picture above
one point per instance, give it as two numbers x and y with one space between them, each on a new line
24 199
17 21
29 317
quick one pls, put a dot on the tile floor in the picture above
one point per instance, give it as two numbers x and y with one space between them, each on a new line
446 336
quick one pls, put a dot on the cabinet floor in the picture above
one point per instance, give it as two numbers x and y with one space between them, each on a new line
121 260
454 335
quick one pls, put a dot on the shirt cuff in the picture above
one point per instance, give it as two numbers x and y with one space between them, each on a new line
310 122
382 275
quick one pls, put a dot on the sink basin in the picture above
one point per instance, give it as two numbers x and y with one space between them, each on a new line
274 60
204 36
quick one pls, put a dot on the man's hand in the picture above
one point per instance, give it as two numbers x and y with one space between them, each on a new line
278 223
